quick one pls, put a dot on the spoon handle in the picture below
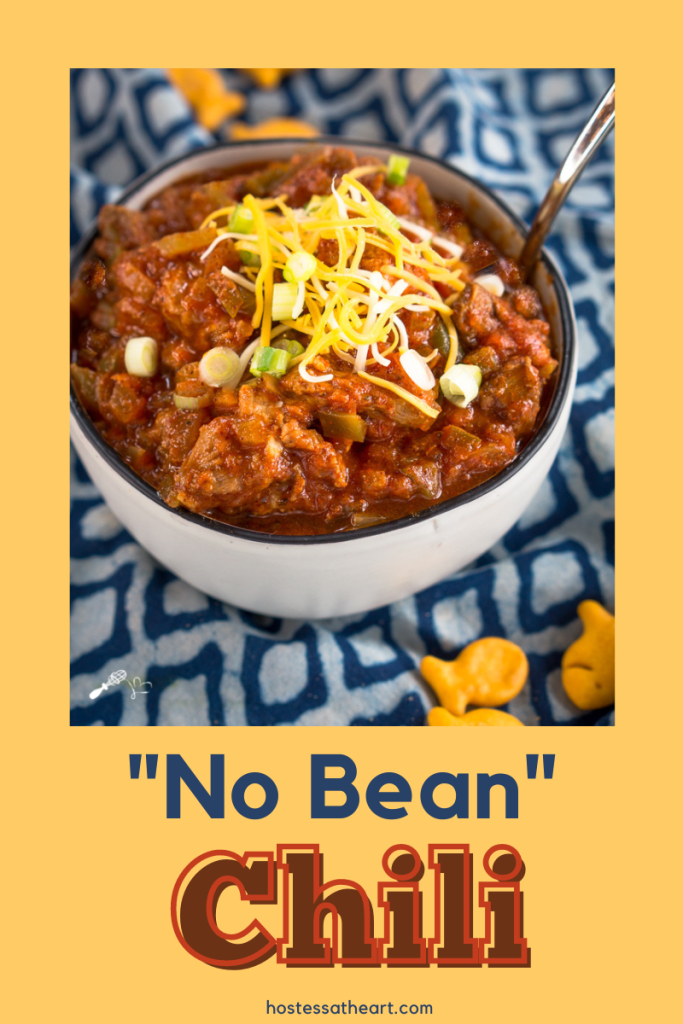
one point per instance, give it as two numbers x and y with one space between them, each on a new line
591 136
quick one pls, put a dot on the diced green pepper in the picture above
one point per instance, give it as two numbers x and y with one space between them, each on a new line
344 425
485 358
453 436
440 338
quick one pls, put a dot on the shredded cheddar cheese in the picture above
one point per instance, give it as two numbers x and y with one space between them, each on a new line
350 312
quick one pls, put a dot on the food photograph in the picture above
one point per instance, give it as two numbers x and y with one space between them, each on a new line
342 397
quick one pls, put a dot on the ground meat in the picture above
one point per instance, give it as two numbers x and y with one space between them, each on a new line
513 394
328 252
474 312
479 254
313 175
527 303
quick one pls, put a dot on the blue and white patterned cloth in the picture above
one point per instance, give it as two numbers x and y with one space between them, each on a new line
212 664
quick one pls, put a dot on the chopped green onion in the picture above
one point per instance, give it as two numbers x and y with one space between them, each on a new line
220 367
191 402
142 357
300 266
389 217
249 258
241 220
460 384
269 360
313 204
343 424
397 169
290 345
284 301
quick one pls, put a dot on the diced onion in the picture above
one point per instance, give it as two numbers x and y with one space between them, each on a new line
285 299
460 384
190 402
141 357
363 520
492 283
207 252
417 369
239 279
220 367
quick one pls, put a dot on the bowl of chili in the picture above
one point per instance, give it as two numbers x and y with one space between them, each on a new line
294 432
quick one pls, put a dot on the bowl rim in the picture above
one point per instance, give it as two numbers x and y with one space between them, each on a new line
552 416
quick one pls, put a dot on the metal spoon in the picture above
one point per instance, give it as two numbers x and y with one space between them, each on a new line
587 142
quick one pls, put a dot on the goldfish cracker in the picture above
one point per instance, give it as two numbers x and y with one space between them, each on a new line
488 672
276 127
588 665
266 78
480 716
205 91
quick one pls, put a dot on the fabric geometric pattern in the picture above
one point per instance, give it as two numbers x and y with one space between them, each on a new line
213 664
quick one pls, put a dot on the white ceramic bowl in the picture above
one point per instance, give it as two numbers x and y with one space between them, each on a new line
339 574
